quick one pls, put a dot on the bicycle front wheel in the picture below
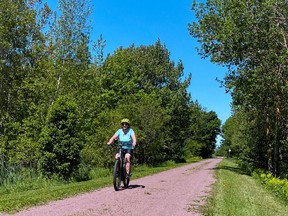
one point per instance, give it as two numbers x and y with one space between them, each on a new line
126 178
117 175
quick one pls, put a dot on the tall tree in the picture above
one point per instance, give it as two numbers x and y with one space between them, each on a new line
204 128
22 66
69 43
233 133
148 72
250 38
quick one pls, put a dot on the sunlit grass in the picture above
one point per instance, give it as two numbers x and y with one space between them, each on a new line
237 194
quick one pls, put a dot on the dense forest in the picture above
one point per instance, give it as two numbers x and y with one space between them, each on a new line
250 39
61 98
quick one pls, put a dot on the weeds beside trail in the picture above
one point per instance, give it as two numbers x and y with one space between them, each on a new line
237 194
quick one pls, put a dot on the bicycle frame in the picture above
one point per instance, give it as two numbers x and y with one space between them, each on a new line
119 174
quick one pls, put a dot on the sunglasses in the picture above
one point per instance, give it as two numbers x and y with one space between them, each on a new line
124 123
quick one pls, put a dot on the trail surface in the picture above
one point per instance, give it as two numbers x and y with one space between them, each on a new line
177 192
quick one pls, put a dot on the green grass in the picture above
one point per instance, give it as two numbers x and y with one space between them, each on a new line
15 199
237 194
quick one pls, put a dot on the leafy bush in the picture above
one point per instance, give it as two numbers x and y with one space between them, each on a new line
278 186
192 148
60 146
83 173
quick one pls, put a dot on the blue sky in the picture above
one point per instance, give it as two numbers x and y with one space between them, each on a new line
127 22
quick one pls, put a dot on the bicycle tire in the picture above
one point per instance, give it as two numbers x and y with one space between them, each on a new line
126 179
117 175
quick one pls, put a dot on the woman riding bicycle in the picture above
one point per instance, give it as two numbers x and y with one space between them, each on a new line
127 137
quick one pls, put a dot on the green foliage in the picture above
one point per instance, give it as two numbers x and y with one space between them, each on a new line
192 149
15 178
59 105
250 38
147 87
21 62
69 48
233 133
24 80
60 146
96 152
279 187
83 173
8 173
149 123
205 127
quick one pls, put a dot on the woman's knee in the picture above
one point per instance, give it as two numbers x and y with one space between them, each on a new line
128 157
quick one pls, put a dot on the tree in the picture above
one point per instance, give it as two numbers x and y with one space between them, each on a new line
148 70
23 88
204 128
69 46
249 37
233 133
149 120
59 141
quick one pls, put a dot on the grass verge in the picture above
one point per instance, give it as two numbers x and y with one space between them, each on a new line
237 194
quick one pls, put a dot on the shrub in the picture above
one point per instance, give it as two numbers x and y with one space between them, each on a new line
278 186
60 146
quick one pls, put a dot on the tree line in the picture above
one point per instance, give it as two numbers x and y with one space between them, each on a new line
61 98
250 39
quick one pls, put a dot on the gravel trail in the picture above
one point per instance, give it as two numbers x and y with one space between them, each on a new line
176 192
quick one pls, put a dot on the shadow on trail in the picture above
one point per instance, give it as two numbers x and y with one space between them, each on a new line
132 187
232 169
135 186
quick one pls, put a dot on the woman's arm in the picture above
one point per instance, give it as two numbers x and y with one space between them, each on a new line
133 136
115 136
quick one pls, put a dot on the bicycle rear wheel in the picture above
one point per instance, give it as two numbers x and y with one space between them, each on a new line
117 175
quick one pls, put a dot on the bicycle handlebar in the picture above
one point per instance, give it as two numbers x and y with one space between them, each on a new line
116 142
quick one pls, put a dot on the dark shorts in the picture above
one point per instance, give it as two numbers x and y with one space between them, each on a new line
129 151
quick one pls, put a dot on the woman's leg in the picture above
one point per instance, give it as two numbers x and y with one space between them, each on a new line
128 159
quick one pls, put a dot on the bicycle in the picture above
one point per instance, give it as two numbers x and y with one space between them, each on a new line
119 172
